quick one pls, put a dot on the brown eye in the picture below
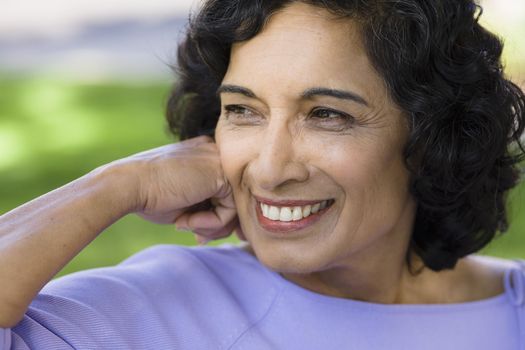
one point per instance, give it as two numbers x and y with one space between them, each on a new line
332 118
241 115
325 113
236 109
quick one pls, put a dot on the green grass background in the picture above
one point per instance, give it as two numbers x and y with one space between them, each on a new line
53 131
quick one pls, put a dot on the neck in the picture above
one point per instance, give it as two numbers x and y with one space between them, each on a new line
378 273
372 283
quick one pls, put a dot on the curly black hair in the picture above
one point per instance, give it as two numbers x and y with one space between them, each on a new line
442 68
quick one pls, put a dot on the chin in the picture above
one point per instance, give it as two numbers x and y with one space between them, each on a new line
288 260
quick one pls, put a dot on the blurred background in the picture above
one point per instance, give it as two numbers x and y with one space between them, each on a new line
84 82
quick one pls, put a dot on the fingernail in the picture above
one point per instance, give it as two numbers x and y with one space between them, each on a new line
202 240
182 228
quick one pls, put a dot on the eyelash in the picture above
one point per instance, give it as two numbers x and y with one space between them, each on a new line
314 113
340 115
236 109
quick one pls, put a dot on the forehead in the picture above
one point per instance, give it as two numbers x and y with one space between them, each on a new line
303 46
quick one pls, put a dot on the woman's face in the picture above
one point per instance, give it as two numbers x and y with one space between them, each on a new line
306 119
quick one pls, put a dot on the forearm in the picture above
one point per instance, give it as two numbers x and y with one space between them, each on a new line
40 237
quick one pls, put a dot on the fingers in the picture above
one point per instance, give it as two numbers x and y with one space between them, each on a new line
214 219
209 235
211 224
215 222
203 236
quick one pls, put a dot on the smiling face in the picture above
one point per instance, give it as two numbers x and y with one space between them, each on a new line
305 120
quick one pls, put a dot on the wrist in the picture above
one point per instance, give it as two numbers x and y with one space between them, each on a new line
119 186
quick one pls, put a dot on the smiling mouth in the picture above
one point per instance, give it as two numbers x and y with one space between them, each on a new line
282 219
293 213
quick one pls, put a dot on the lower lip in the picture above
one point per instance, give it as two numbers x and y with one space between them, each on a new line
282 227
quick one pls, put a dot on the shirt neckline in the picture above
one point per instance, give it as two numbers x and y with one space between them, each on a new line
506 297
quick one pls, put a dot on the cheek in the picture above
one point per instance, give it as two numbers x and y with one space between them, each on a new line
372 177
349 163
234 153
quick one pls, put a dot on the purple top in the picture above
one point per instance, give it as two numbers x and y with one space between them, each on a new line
173 297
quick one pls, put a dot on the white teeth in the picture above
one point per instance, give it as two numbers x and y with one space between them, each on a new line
287 214
297 213
264 208
307 210
273 213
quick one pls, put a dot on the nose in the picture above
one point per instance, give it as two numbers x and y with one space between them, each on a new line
279 159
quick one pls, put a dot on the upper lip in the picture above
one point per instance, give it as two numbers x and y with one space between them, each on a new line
287 202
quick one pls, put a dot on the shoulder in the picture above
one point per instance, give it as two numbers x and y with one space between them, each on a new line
489 268
492 275
226 264
173 293
168 268
496 263
475 278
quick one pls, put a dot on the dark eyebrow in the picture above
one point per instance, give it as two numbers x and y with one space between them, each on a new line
341 94
308 94
235 89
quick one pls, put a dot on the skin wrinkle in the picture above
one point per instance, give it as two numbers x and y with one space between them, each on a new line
357 250
287 173
309 94
364 115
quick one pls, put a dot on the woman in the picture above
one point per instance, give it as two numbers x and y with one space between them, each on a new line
363 150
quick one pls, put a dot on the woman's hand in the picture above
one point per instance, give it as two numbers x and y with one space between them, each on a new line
183 183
